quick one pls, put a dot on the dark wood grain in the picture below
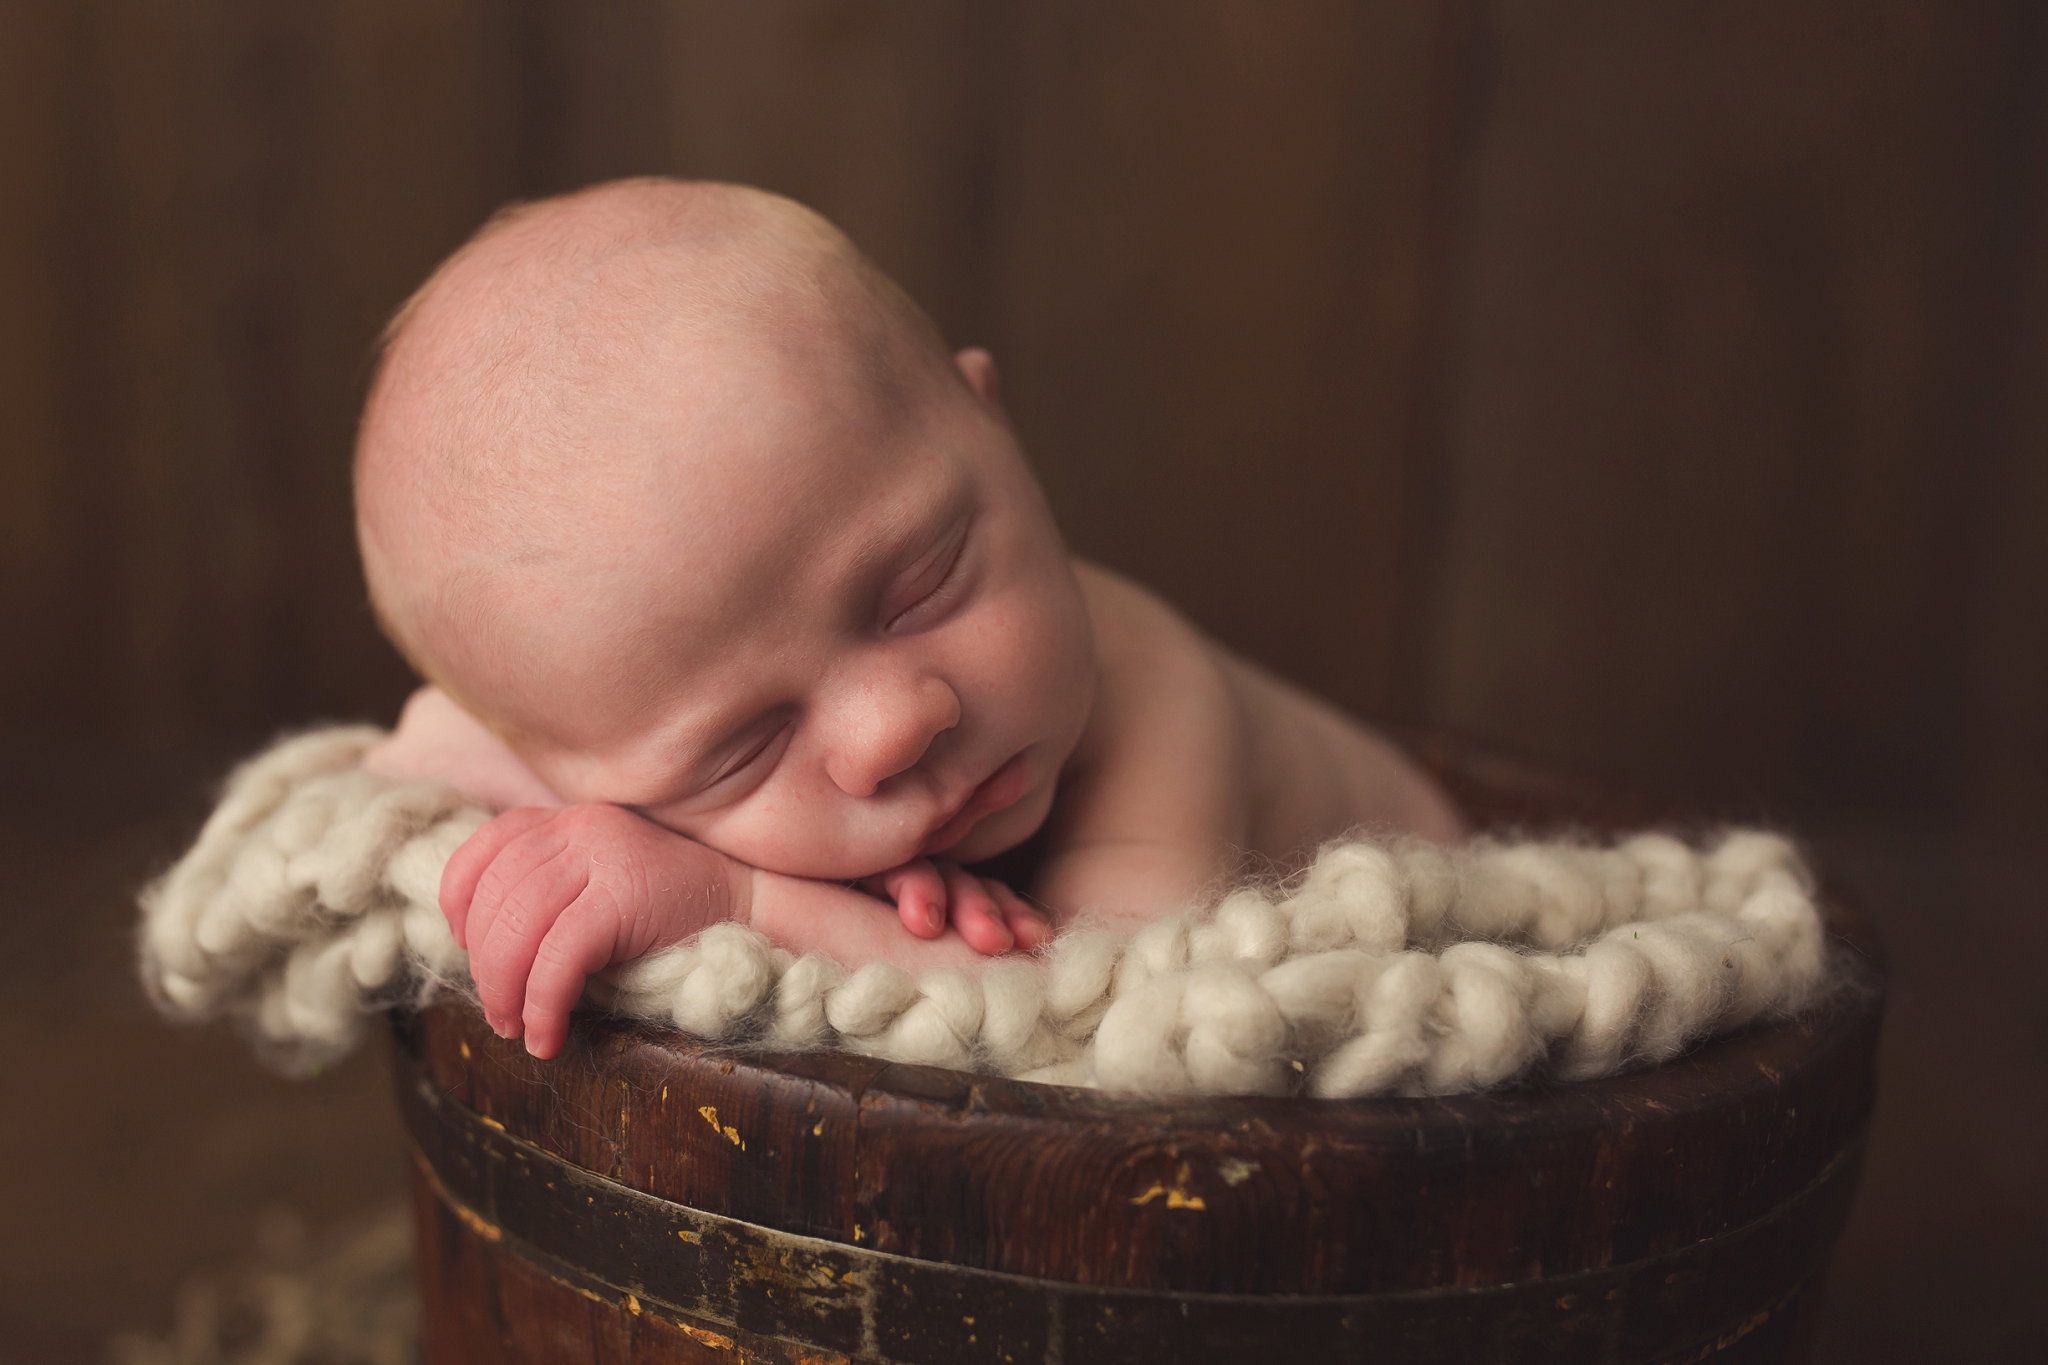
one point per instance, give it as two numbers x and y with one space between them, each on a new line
498 1212
1733 425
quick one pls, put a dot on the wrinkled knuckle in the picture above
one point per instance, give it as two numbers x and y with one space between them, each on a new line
555 956
523 918
491 888
491 962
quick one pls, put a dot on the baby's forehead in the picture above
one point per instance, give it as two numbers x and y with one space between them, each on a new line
570 380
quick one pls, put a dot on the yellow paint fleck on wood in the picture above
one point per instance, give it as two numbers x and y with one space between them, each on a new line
857 1233
711 1339
818 1128
490 1123
732 1135
693 1238
1175 1199
633 1305
465 1050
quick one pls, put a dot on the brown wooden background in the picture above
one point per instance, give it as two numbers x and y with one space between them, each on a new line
1654 390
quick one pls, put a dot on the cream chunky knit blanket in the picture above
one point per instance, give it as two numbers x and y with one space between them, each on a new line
310 901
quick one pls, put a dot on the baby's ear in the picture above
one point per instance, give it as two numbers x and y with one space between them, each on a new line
980 368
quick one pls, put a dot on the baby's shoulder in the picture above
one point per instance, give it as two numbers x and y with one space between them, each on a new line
1161 678
1161 765
1138 633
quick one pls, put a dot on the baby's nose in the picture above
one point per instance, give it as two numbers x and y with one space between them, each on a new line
884 734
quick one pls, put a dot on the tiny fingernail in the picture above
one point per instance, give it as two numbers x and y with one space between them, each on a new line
934 917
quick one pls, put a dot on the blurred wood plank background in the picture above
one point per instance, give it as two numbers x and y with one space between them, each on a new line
1654 390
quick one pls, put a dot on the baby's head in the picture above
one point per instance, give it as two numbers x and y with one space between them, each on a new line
668 485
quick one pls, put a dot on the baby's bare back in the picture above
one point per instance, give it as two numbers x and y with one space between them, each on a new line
1195 757
1318 772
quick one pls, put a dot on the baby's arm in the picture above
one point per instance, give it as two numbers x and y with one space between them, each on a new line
542 899
437 741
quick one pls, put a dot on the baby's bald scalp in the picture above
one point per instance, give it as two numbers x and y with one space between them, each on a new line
475 453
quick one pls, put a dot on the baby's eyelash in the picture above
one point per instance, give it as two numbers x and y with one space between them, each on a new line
945 579
748 760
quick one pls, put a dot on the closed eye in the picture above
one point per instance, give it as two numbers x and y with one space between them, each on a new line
750 757
945 577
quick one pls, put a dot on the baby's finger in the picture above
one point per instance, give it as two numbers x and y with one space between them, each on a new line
1030 925
501 953
541 842
584 940
919 891
975 913
466 865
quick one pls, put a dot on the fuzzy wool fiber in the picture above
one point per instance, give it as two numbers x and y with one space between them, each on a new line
311 900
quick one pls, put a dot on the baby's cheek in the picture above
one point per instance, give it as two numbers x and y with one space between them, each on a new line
1053 661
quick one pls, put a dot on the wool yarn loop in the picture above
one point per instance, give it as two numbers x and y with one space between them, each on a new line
310 901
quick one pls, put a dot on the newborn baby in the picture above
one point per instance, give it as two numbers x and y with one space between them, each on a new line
738 598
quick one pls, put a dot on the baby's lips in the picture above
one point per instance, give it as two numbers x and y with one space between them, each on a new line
1001 788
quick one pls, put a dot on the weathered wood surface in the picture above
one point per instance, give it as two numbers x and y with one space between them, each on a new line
1683 1209
497 1212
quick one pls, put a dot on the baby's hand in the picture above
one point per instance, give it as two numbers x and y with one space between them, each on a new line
543 898
990 916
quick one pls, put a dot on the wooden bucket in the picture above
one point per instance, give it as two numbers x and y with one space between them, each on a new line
646 1198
